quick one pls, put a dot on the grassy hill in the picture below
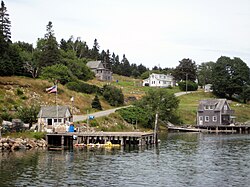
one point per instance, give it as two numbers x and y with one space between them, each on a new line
20 91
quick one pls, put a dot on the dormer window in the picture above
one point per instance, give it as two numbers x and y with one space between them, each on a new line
209 107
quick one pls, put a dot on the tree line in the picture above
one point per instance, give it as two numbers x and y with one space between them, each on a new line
69 56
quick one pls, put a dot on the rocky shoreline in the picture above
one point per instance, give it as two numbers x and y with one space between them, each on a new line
12 144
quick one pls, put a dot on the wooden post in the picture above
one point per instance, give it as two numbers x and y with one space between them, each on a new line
156 129
62 141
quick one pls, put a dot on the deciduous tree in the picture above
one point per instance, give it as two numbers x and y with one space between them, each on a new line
229 76
186 69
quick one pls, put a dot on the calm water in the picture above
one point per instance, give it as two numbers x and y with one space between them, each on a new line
189 159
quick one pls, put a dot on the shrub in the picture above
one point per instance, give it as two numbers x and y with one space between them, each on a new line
83 87
113 95
191 86
96 103
39 135
28 114
19 92
135 115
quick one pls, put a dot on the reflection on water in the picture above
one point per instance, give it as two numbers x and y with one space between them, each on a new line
182 159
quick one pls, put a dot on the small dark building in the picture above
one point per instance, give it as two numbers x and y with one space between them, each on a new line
214 112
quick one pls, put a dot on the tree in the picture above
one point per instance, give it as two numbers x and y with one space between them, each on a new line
5 23
59 73
95 50
96 103
229 76
186 70
159 101
126 69
49 48
28 114
205 73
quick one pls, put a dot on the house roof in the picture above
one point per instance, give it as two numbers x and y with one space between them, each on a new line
95 64
51 112
167 77
218 103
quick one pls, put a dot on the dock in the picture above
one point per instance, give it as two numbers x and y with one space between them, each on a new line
213 129
70 139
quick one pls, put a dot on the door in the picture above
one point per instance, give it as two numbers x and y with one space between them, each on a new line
200 120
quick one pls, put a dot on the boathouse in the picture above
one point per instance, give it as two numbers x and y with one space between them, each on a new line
51 116
214 112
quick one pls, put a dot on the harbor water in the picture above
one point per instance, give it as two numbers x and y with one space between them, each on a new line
181 159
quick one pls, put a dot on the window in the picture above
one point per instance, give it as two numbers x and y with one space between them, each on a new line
159 82
206 118
55 120
59 120
209 107
214 118
225 107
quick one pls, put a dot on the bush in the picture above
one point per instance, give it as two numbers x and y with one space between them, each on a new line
113 95
83 87
39 135
191 86
28 114
96 103
135 115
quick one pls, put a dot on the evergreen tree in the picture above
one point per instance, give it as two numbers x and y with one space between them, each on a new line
96 103
95 50
126 69
50 52
5 23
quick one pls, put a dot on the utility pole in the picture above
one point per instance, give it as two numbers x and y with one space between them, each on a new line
186 82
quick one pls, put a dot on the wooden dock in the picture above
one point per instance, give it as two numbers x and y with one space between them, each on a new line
213 129
70 139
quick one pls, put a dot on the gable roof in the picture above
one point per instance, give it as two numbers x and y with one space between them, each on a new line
95 64
218 103
167 77
51 112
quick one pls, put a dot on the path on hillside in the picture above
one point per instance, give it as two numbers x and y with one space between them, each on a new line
110 111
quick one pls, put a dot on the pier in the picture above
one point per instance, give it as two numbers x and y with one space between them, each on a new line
69 139
241 129
225 128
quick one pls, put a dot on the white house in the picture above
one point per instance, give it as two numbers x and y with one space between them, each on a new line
208 88
159 80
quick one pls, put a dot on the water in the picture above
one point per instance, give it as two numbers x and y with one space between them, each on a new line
186 159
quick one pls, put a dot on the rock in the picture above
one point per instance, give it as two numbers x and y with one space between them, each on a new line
6 145
15 146
31 144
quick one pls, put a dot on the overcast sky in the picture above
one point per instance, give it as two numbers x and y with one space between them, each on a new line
151 32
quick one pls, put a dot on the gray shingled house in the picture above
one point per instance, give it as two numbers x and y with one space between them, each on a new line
214 112
48 116
101 72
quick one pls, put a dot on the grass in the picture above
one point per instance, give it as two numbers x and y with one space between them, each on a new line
26 134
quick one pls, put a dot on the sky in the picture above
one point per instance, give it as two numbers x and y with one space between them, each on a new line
148 32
